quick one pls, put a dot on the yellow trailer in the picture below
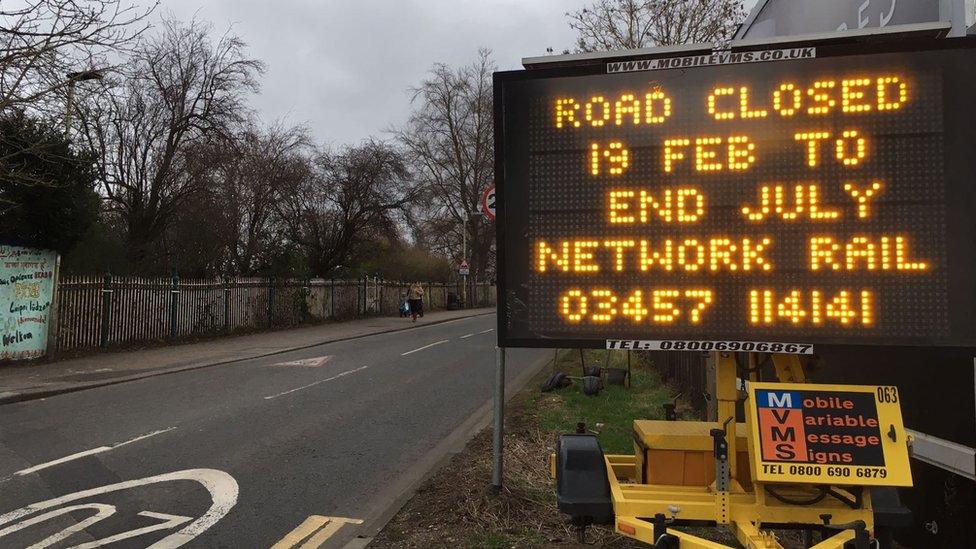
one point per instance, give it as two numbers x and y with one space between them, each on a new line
823 459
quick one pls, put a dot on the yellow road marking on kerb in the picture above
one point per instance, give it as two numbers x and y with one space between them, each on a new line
318 527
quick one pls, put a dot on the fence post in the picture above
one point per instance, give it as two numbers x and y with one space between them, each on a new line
365 293
106 308
54 323
174 296
226 303
271 281
332 296
306 292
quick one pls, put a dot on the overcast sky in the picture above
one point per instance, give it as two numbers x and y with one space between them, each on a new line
342 67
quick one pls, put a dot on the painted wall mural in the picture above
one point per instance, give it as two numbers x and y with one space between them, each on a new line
26 296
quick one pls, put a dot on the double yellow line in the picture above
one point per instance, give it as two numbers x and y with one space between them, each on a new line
313 532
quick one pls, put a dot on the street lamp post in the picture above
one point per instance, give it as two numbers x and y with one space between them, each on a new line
72 78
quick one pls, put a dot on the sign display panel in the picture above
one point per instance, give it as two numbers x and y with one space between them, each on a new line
818 200
829 434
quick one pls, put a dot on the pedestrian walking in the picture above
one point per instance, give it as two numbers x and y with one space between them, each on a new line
404 306
415 299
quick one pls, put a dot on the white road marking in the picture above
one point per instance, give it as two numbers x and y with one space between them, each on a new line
168 522
223 495
466 336
86 453
313 362
333 378
143 437
486 331
424 347
102 512
65 459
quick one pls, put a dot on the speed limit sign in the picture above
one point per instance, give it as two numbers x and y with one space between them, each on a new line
488 203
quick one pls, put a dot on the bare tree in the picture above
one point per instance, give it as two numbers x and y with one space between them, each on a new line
43 40
252 173
182 89
630 24
355 193
450 140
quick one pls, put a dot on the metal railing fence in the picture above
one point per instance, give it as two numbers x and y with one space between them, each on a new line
101 311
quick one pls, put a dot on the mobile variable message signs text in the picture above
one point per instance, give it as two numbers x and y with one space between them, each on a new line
830 434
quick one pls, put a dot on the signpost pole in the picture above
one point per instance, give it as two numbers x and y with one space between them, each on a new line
496 474
464 259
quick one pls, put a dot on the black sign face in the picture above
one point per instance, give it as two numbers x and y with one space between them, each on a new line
825 200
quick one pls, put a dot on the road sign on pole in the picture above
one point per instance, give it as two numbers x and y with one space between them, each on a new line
488 203
464 269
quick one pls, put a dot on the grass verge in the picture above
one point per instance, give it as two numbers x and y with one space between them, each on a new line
458 508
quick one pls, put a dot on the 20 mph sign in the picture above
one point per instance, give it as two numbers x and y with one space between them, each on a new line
488 203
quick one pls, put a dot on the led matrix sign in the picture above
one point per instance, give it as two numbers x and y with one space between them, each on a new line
824 200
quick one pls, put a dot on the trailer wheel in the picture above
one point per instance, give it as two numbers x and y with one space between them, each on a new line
591 385
554 382
667 541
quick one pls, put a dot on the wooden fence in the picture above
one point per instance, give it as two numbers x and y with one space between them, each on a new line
686 372
106 311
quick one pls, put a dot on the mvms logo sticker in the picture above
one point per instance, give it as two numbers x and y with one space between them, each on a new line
781 428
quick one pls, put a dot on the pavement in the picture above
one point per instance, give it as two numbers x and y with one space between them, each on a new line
314 447
40 379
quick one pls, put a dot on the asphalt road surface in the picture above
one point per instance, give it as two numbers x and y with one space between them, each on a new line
249 454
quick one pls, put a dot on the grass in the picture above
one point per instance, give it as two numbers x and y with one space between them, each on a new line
457 508
612 412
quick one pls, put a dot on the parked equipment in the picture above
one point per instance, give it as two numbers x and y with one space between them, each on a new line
755 476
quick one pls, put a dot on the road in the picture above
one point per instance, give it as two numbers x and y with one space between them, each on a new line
242 454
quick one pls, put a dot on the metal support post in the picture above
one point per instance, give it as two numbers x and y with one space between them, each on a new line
788 368
496 474
720 451
957 15
464 257
332 297
726 395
